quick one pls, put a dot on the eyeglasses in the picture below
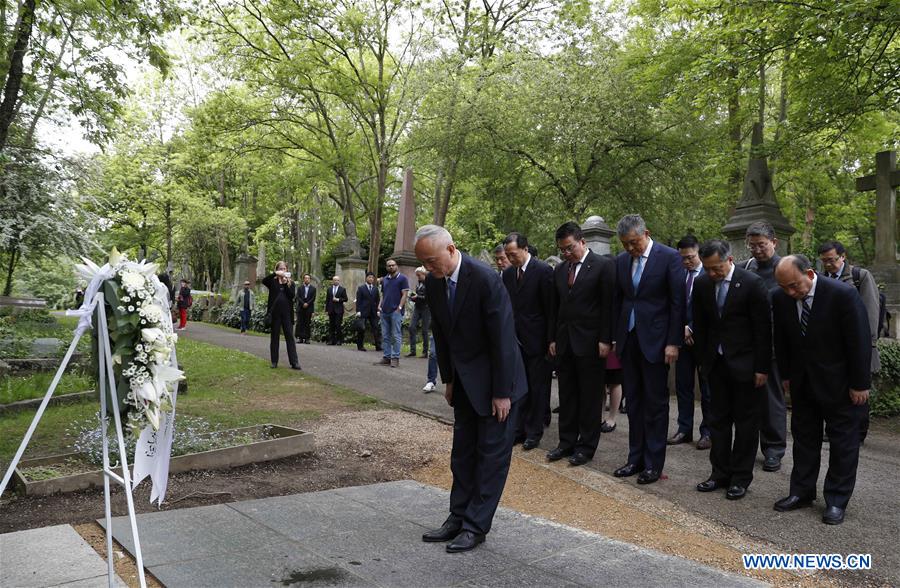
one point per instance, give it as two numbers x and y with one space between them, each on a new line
569 248
757 246
830 259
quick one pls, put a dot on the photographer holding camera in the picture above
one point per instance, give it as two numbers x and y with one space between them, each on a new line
279 310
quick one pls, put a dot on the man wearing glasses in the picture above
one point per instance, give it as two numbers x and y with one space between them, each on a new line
761 242
580 334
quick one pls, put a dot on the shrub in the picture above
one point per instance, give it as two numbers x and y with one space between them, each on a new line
885 398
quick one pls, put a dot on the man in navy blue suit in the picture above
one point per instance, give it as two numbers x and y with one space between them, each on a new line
481 365
649 309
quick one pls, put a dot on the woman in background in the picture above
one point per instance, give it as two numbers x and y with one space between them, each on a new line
280 308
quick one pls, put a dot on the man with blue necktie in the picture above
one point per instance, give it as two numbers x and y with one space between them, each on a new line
649 306
688 364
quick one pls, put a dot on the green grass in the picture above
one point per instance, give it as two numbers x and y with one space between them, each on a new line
228 388
18 333
222 327
14 388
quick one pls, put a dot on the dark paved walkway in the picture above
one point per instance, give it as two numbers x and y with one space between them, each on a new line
873 518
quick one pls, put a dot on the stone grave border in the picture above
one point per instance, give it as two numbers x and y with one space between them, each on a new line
286 442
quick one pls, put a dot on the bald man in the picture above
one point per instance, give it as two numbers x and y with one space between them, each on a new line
335 297
480 363
822 345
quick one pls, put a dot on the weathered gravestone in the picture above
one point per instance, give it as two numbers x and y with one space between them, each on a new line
597 234
884 182
757 203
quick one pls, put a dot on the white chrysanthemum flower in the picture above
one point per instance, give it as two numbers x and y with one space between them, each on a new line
130 308
132 280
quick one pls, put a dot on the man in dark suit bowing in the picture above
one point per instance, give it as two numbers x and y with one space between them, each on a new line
733 341
649 303
580 339
306 306
529 282
336 296
475 337
367 298
824 353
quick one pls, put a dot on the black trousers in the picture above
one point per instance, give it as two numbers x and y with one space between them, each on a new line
647 397
421 315
582 385
304 318
281 322
842 424
534 406
335 334
734 405
375 325
773 426
479 461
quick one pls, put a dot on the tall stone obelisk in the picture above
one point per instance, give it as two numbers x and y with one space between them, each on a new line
757 203
404 242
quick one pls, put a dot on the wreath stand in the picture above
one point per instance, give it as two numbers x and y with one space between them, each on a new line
105 367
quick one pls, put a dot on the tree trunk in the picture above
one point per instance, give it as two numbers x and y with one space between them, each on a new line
377 217
51 81
169 229
13 259
16 69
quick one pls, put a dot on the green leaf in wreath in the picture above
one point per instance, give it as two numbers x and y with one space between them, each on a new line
111 293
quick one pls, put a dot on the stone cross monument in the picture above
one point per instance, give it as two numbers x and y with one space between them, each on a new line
757 203
404 253
884 182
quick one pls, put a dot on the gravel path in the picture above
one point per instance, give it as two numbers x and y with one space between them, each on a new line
872 524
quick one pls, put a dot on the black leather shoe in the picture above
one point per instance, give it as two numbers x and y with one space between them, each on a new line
530 444
296 367
648 477
274 365
579 459
558 453
555 410
709 486
792 503
607 428
465 541
736 493
833 515
772 464
678 438
629 469
448 531
519 439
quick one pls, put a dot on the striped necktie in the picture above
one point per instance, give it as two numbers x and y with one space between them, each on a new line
804 316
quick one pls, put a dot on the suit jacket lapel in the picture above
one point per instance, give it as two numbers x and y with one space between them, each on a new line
462 288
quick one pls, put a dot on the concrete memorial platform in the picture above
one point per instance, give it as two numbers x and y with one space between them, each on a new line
51 556
371 536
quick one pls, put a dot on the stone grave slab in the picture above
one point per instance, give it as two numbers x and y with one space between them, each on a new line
371 535
50 556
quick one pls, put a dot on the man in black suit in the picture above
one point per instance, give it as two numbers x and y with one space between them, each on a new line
367 298
649 303
336 296
480 363
822 345
688 366
580 338
733 341
529 282
306 306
